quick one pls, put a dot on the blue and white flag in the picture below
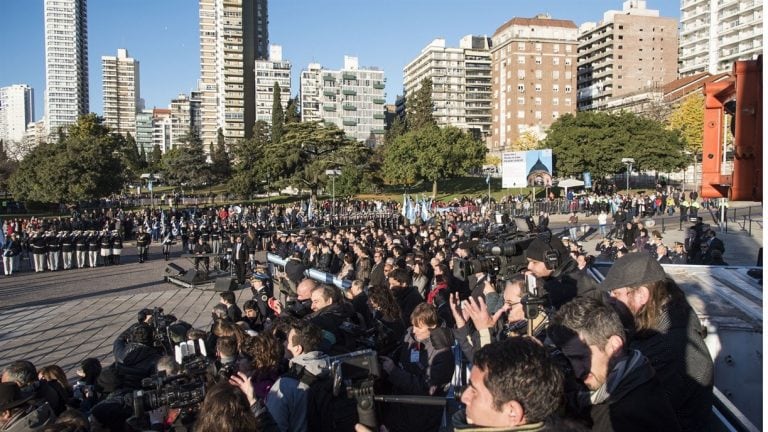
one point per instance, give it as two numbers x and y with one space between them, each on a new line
425 209
309 209
404 210
488 179
411 211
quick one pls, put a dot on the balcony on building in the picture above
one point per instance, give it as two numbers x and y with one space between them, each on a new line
349 92
349 122
348 107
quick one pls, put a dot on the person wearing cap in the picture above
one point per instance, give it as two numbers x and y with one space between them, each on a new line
22 413
142 243
556 271
240 258
93 248
81 249
11 251
39 246
668 332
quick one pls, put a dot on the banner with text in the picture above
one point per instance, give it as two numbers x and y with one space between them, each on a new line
531 168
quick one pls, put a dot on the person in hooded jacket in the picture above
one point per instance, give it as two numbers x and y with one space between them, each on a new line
133 349
22 413
422 366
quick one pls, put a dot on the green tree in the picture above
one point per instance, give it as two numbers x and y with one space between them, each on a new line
156 158
395 129
432 154
419 107
86 164
7 167
688 119
278 117
251 171
221 165
186 164
292 114
597 141
307 150
143 157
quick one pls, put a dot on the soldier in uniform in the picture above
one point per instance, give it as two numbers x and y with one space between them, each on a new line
39 247
192 235
167 242
67 249
105 246
142 244
117 246
93 248
216 238
81 248
54 248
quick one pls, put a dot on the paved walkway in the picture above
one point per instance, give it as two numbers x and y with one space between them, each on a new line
64 317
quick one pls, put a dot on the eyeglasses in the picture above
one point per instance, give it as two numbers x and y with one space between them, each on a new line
510 304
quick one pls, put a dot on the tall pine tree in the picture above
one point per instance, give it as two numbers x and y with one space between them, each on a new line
292 114
419 107
278 116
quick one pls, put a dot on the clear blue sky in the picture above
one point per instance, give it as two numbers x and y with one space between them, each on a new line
163 36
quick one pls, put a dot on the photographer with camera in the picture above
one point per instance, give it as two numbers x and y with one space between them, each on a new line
557 273
134 350
423 365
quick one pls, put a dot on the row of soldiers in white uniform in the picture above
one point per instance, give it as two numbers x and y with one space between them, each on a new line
74 249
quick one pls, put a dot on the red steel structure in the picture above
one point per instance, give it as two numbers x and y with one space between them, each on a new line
745 88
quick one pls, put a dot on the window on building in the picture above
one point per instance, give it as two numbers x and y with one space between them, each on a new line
538 115
567 89
521 114
521 74
537 101
521 88
568 75
621 57
556 88
621 27
555 75
567 101
521 101
520 59
538 60
538 87
621 37
568 48
568 62
521 46
556 48
555 115
555 101
538 46
539 74
555 61
621 46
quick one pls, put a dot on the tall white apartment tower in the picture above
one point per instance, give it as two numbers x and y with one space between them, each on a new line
233 35
461 81
120 82
715 33
352 98
269 72
66 62
17 110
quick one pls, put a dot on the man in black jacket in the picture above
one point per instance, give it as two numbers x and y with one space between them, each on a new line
24 374
556 272
623 392
142 243
407 296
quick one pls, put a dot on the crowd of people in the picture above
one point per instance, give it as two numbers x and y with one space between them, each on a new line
535 344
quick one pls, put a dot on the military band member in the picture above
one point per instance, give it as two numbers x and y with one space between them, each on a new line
93 248
81 249
67 249
105 246
216 239
117 247
54 248
167 242
39 249
142 244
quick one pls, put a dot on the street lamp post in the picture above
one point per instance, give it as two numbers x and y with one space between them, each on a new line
628 162
333 173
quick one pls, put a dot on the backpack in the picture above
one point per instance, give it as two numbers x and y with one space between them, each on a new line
326 412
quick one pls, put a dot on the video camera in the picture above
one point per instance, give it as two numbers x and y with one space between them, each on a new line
499 258
379 337
160 324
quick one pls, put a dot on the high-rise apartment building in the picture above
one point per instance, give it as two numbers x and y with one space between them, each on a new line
628 51
121 86
533 63
144 131
715 33
233 35
461 82
269 72
66 62
17 110
352 98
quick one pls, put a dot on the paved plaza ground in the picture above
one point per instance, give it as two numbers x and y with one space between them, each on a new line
64 317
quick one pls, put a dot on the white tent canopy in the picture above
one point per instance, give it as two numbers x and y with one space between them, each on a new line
569 183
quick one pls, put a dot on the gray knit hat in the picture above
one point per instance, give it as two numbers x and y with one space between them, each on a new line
632 270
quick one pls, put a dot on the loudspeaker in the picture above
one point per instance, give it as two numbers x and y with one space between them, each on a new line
191 276
225 284
173 270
